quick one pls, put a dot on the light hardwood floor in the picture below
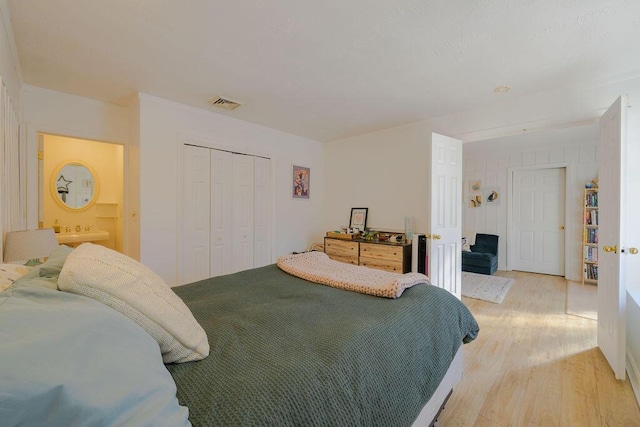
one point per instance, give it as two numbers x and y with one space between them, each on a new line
534 365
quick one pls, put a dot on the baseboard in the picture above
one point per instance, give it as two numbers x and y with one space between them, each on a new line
634 376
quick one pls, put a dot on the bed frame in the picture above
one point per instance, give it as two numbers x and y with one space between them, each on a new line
430 412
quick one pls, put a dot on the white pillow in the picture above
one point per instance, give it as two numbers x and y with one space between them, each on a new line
9 273
126 285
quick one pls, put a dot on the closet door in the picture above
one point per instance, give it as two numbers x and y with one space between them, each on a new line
196 220
242 229
262 210
222 209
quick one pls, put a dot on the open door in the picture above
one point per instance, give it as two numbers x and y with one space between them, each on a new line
445 229
611 276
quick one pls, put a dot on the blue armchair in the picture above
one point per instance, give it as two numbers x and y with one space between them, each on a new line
483 257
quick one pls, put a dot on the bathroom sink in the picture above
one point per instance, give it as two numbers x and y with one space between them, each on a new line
82 236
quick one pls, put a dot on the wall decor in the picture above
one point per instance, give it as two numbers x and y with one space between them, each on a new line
358 218
475 186
74 185
492 195
475 200
301 182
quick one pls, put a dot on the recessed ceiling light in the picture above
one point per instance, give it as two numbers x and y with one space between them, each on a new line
502 89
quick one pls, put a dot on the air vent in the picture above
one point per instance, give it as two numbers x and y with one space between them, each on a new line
225 103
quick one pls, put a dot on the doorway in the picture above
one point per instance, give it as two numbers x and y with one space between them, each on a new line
537 222
81 189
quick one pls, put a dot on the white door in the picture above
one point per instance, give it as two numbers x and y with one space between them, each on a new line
611 274
444 247
538 202
262 209
243 214
195 214
221 213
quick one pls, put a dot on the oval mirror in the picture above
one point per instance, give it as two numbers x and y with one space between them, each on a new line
74 185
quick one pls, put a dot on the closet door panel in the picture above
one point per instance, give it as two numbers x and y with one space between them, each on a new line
262 212
243 182
195 213
221 213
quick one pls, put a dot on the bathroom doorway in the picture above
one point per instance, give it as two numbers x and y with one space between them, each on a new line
81 190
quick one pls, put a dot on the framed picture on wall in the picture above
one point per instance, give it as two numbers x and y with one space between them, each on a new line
358 218
300 182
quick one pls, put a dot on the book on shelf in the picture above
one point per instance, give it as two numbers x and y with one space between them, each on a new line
591 253
591 271
591 235
591 217
591 200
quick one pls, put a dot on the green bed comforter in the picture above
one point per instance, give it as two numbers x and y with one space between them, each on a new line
285 351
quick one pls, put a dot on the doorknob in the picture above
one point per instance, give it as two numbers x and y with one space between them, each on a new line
562 227
427 236
633 251
436 237
613 249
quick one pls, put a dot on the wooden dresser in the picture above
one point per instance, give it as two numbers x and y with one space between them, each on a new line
394 257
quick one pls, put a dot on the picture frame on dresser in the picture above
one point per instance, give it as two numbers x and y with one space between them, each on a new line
358 218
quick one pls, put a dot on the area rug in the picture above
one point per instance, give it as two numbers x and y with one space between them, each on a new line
582 300
485 287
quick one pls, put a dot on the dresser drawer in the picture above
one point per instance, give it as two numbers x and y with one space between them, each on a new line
383 252
341 250
396 258
348 260
382 264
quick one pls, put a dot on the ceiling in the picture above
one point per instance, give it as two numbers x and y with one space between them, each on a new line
325 69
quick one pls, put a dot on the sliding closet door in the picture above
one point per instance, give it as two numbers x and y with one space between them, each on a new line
221 213
262 209
226 213
242 229
196 192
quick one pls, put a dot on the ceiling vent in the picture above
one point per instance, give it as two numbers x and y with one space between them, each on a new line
225 103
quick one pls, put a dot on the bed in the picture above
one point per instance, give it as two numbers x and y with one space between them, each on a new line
283 351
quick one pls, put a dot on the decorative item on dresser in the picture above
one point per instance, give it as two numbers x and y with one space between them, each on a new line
590 235
388 256
358 218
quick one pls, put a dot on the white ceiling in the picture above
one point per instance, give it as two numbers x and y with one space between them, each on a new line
325 69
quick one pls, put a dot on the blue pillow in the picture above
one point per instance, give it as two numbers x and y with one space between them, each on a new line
69 360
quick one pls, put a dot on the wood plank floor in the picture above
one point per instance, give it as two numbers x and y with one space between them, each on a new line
535 365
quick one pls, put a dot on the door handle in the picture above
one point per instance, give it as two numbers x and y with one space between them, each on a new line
436 237
613 249
562 227
427 236
633 251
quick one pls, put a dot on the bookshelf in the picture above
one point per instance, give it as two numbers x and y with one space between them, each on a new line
590 236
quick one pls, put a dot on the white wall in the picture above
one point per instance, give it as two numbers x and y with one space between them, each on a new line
385 171
165 126
58 113
489 161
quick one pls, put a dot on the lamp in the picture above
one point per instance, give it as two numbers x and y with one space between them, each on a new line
29 245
